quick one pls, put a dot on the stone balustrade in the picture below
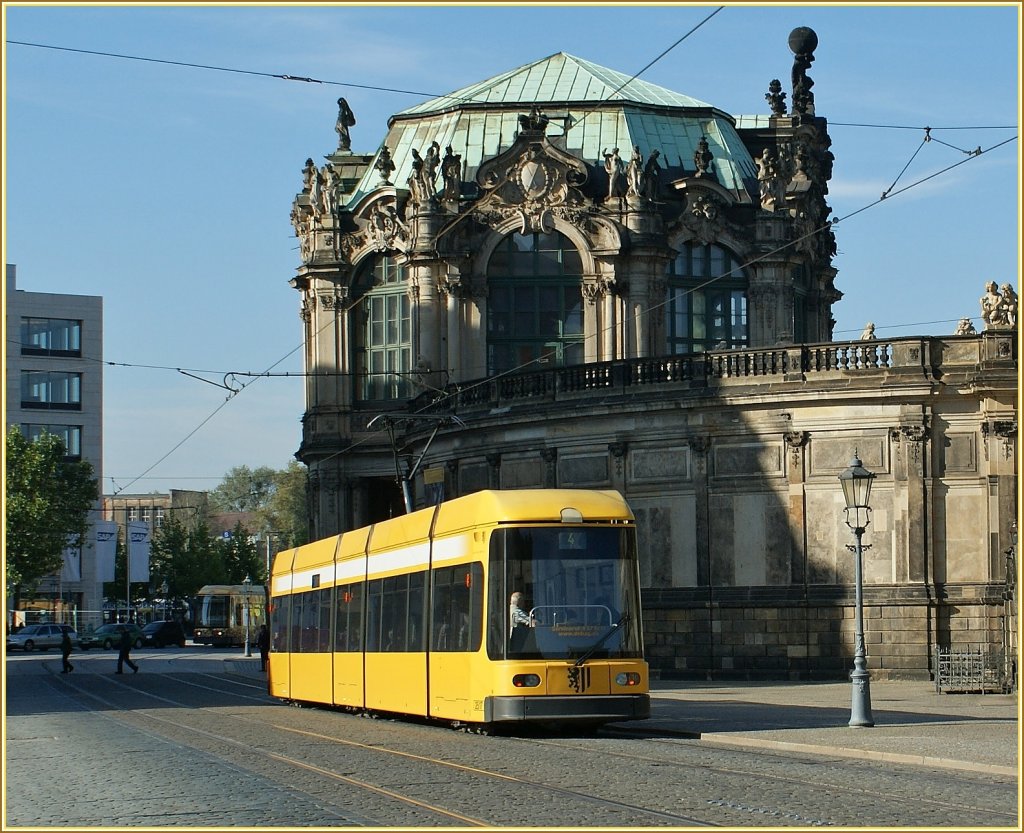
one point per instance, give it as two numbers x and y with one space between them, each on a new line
916 356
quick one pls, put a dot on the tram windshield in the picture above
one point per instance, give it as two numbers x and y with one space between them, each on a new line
564 593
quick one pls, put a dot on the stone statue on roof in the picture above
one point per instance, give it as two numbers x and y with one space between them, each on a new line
702 156
345 120
776 98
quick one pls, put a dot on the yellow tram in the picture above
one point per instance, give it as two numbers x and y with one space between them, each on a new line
415 615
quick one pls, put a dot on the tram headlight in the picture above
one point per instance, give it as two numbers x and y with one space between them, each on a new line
627 678
526 680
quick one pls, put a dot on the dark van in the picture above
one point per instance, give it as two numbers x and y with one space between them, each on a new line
167 632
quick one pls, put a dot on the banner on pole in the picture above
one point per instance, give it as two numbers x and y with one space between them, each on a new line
106 549
138 551
72 567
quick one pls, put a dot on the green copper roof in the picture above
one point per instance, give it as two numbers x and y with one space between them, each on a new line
559 78
588 113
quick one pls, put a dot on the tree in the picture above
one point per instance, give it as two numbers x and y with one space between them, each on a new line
186 557
48 500
240 557
287 512
243 490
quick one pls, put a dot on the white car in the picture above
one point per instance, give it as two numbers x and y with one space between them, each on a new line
40 636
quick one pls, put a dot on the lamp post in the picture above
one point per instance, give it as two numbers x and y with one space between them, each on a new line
856 483
247 583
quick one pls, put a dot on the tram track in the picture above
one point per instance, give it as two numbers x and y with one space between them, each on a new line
637 812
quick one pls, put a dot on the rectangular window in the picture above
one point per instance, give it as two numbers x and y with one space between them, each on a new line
395 612
348 618
457 619
280 615
70 434
51 337
54 390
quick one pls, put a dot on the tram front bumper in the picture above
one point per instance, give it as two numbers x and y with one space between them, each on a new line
581 707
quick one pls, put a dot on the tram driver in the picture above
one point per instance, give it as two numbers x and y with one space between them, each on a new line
518 620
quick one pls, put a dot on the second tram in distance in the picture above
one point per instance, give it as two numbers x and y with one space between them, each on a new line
227 613
498 607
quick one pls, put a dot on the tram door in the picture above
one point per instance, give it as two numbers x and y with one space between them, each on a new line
396 644
456 628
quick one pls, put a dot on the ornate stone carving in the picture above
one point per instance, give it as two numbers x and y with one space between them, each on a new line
771 179
703 216
776 98
385 166
795 440
802 42
530 181
549 455
451 175
699 444
965 327
868 333
999 306
346 119
702 157
385 229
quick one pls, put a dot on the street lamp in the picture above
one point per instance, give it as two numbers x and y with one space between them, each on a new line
856 482
247 583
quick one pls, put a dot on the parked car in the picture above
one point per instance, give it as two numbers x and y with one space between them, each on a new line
167 632
109 636
42 637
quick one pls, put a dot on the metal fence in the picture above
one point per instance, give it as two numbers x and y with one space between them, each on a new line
972 669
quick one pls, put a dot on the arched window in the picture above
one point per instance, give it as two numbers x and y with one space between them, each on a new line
382 326
706 306
534 303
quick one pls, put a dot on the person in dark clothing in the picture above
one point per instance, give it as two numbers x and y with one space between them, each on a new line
263 643
65 653
123 654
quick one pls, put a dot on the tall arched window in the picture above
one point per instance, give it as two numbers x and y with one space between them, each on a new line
706 306
534 303
382 327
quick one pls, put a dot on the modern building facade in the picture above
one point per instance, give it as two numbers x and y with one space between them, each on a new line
565 277
54 371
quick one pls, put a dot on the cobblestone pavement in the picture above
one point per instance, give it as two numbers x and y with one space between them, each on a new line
194 740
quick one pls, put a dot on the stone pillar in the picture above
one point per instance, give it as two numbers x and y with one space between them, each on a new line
911 549
550 458
796 442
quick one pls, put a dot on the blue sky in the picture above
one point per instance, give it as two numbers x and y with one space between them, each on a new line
167 189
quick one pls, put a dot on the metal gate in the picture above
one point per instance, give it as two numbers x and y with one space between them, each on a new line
978 669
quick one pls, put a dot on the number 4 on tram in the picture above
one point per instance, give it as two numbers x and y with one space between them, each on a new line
416 615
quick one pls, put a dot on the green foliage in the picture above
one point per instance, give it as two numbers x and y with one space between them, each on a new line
48 500
186 557
240 557
277 497
243 490
287 512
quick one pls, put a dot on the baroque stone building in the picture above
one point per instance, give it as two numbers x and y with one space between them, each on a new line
565 277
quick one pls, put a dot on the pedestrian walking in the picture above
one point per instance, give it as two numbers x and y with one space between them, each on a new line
65 653
263 643
123 655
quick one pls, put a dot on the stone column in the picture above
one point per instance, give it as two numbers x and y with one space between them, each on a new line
796 442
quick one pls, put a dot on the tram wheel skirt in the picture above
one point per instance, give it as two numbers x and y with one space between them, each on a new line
584 708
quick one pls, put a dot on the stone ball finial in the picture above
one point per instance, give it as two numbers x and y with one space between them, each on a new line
803 40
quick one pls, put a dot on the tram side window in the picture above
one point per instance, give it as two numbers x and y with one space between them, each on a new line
295 622
457 621
311 622
279 616
348 618
324 628
394 619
